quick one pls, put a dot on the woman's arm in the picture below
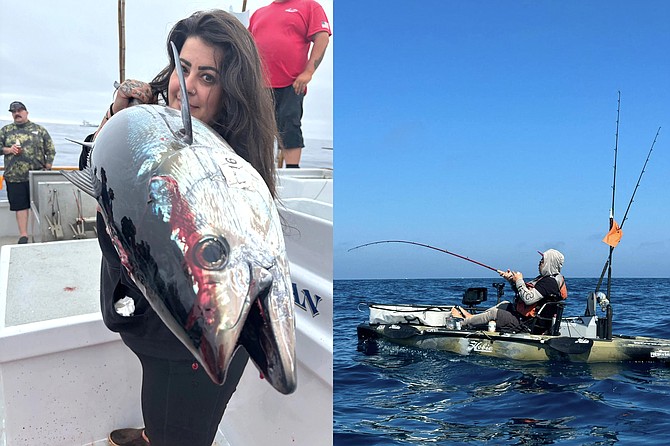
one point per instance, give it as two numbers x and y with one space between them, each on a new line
128 91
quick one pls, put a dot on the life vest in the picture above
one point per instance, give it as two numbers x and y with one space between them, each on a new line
531 310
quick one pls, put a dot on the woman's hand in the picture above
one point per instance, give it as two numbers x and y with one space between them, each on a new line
131 89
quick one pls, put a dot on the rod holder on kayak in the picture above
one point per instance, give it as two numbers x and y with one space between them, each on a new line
499 286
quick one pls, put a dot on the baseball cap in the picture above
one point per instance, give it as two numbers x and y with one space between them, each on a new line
16 105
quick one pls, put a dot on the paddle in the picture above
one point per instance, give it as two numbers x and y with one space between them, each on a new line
571 346
400 331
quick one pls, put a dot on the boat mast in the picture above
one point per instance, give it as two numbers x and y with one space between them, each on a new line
122 40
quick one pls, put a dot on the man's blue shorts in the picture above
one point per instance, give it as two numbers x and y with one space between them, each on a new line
288 113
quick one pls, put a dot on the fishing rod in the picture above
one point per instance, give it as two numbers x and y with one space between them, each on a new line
608 262
625 215
430 247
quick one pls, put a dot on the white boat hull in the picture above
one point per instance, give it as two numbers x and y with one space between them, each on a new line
66 380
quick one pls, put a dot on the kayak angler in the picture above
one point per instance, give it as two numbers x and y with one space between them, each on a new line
548 286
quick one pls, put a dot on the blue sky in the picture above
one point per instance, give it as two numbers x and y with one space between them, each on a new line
487 128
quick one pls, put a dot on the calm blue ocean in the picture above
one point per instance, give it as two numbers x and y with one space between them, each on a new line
405 396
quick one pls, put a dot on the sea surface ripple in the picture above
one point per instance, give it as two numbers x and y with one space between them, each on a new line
407 396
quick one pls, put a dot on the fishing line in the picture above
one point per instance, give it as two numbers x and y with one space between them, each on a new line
430 247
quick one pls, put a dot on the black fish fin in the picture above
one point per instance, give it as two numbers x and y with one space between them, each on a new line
185 107
84 180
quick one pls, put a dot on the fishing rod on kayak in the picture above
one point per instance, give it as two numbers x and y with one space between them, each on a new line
625 215
608 262
430 247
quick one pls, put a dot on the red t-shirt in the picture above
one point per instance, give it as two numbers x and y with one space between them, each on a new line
283 31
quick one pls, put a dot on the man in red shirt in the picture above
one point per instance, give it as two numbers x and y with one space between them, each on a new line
284 30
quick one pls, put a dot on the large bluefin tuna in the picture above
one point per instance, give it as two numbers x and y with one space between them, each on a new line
197 229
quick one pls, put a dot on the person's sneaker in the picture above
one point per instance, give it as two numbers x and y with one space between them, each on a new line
127 437
23 240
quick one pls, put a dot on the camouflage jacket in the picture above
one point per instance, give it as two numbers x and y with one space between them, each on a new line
37 150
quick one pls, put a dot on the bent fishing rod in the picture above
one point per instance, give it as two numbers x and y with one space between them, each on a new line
430 247
608 262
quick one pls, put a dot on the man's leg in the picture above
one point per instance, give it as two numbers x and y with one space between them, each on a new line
288 111
22 221
292 156
18 195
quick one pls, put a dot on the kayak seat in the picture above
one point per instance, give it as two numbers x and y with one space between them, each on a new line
547 321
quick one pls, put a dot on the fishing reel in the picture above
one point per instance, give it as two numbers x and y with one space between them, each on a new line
596 297
602 300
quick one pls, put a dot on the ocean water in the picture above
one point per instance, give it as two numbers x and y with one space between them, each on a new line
317 152
407 396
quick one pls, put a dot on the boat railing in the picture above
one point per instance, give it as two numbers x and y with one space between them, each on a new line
60 211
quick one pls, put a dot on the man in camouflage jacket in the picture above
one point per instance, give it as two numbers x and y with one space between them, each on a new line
26 146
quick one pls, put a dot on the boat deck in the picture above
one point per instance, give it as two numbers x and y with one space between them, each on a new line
59 365
53 342
69 295
8 240
67 380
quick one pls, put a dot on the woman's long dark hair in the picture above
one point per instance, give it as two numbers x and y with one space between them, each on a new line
246 117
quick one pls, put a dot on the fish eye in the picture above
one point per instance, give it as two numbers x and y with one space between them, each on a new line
211 253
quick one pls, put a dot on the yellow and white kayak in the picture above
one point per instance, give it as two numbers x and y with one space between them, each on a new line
576 339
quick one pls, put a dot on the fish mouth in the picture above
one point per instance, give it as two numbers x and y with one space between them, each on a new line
269 338
261 325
